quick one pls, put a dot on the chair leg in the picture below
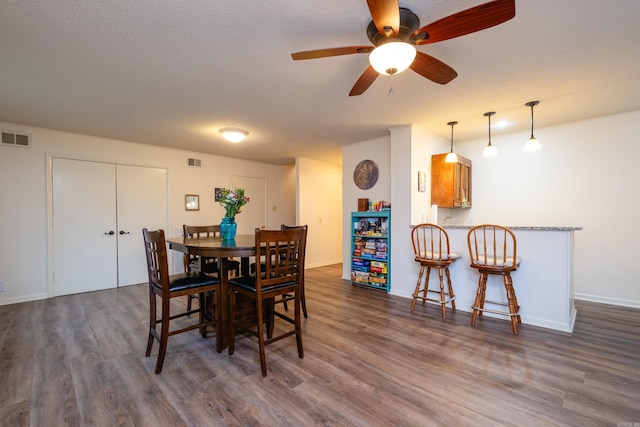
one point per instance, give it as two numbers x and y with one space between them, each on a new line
451 294
201 313
270 307
232 327
512 303
152 321
478 304
218 319
425 290
298 300
164 335
189 302
261 337
416 293
303 300
443 307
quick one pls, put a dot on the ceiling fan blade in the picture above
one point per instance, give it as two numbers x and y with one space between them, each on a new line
433 69
365 80
324 53
468 21
385 13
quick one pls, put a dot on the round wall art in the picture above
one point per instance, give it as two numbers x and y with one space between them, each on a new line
365 174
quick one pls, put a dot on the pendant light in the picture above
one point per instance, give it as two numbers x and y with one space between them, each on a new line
532 144
451 157
490 150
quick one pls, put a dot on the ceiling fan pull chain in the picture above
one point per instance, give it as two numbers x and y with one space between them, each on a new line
391 91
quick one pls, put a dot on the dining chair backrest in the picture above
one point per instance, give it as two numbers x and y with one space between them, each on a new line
157 265
430 243
200 231
493 248
283 252
288 297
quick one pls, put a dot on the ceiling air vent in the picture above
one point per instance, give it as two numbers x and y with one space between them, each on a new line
194 162
16 139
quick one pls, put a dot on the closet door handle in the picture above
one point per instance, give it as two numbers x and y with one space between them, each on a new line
122 232
110 233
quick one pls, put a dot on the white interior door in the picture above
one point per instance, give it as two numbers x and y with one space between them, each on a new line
84 226
254 213
142 202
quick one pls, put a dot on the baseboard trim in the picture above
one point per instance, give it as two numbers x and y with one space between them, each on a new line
607 300
26 298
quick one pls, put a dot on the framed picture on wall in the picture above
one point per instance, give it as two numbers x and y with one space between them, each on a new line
217 194
191 202
422 181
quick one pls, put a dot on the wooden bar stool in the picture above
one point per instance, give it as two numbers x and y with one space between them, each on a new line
492 249
431 249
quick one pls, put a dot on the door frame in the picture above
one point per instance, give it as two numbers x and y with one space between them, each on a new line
49 180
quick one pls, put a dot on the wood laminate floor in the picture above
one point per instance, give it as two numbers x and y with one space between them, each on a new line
79 361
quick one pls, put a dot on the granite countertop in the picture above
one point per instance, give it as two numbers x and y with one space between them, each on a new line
517 227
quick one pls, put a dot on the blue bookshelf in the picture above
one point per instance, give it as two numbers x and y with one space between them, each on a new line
370 249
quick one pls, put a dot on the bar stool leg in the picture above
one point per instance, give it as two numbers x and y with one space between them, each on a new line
417 290
451 294
426 286
512 303
442 296
478 304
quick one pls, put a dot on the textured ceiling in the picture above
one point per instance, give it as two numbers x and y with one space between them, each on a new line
171 73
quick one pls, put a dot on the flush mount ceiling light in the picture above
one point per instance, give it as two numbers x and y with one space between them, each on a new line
234 134
490 150
451 157
532 144
393 57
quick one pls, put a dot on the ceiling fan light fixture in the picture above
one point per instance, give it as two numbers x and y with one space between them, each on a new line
234 134
392 57
532 144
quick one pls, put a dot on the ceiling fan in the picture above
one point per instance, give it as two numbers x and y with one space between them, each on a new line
395 31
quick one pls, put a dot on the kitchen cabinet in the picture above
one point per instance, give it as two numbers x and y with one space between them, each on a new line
450 182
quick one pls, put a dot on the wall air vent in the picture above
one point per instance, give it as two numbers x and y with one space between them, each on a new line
16 139
194 162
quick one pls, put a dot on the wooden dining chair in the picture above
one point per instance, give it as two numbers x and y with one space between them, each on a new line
492 249
167 287
431 250
286 298
289 297
211 265
283 252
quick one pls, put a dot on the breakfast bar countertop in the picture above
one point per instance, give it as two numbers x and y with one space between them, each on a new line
517 227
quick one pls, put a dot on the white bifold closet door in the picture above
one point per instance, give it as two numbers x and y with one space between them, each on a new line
99 210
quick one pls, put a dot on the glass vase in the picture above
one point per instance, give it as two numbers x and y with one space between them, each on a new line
228 228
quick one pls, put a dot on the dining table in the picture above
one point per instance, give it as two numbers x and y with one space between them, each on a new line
243 247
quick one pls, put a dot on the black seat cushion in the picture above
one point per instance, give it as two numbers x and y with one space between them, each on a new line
192 279
249 282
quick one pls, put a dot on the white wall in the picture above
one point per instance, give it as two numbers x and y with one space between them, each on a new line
319 194
585 175
23 196
378 151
